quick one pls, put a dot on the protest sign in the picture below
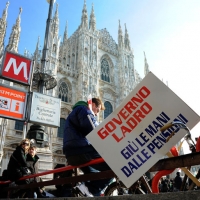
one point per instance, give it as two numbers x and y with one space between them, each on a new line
129 139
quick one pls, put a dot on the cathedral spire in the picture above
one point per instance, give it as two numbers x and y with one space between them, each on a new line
126 39
120 36
55 24
5 12
37 46
146 66
25 52
92 19
15 34
65 33
37 52
84 18
19 18
3 25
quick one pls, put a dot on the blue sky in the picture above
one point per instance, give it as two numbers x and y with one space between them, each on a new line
168 31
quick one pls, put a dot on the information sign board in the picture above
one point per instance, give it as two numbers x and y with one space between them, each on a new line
12 103
45 110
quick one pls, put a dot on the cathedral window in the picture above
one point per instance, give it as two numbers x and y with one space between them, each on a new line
54 48
94 55
69 60
108 109
19 125
76 58
73 60
105 71
128 58
61 128
63 92
64 61
86 51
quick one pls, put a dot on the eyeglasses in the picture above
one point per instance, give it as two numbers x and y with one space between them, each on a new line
26 144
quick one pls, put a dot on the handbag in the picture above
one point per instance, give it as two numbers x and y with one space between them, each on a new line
22 171
25 171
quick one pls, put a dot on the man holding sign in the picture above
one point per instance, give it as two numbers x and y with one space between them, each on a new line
78 149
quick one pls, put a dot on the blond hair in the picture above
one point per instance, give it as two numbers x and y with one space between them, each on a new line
23 141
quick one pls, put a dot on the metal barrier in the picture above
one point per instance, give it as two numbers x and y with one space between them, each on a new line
168 163
69 167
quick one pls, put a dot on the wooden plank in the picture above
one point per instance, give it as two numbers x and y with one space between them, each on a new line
177 162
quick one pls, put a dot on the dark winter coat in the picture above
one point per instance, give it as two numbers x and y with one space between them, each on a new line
17 160
33 165
178 182
77 126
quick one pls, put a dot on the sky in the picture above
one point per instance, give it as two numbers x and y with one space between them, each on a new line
168 31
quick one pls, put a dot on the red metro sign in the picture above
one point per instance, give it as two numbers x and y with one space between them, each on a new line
16 68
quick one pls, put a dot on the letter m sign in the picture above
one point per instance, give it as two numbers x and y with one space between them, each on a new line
16 68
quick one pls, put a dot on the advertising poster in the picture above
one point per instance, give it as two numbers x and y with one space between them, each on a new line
12 103
130 140
45 110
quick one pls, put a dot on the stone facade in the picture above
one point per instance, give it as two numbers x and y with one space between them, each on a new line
3 26
88 62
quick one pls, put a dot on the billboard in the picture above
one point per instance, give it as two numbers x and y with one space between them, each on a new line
130 136
16 68
12 103
45 110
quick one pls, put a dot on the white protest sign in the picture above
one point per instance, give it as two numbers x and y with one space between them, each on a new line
129 139
45 110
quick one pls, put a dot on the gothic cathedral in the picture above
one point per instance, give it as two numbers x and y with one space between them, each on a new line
87 62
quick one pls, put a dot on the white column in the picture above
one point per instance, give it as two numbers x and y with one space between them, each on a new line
3 133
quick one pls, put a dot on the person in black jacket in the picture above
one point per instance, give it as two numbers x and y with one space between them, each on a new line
16 163
32 162
177 182
18 160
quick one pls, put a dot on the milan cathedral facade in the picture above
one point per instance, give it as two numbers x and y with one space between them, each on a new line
87 62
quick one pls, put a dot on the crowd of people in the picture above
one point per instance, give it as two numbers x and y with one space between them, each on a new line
173 184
